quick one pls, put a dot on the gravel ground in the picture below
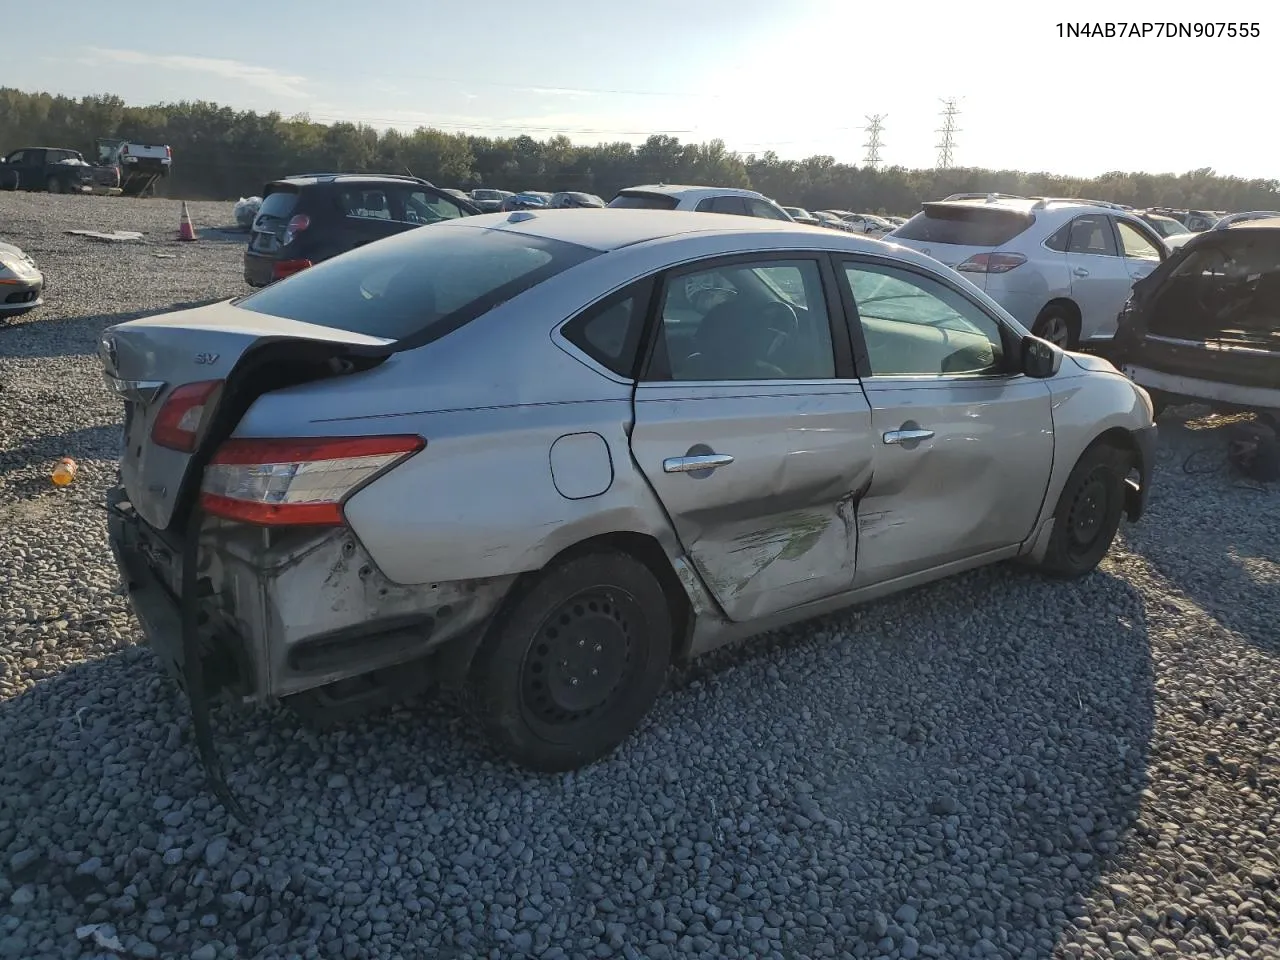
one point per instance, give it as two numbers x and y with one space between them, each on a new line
992 766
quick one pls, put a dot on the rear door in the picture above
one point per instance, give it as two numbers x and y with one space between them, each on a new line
963 441
752 430
1141 249
367 214
31 170
1100 281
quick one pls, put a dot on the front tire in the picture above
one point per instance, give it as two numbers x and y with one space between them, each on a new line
575 663
1088 513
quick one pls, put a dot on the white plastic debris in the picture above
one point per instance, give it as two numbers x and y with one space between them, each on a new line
104 935
246 210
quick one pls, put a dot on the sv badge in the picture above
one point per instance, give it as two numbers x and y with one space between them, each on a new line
205 359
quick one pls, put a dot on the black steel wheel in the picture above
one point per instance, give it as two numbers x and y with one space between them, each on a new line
1088 512
574 663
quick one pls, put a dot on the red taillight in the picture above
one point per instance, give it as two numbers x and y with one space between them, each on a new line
992 263
296 482
287 268
294 227
177 424
168 152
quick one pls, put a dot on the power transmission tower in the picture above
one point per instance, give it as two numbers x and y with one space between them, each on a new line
875 124
948 130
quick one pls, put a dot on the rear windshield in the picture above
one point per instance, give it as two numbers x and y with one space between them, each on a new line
644 201
965 225
420 284
279 205
486 194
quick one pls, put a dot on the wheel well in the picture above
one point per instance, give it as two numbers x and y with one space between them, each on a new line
648 551
1067 306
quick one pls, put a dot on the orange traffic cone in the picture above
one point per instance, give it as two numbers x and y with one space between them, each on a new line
185 230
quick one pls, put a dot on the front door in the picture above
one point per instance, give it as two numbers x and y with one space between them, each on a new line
1140 250
1100 281
963 442
752 431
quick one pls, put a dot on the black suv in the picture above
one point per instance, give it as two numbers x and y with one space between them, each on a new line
307 218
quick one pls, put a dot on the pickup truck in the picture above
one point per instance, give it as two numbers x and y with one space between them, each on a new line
141 165
55 169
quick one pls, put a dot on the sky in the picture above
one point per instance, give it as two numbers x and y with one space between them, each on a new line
799 77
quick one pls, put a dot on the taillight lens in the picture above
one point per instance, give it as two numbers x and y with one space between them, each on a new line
302 482
294 227
992 263
177 425
168 152
287 268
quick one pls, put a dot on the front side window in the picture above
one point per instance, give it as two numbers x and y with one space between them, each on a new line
768 211
916 326
1135 244
422 207
1092 235
764 320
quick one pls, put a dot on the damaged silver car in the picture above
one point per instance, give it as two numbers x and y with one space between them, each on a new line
540 456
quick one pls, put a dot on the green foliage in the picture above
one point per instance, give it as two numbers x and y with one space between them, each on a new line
221 153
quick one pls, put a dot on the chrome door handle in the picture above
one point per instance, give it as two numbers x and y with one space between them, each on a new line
1080 272
906 436
693 464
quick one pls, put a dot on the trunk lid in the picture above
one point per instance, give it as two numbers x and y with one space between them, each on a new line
145 360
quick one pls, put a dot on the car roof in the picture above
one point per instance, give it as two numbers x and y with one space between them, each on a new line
616 227
1270 223
690 190
312 179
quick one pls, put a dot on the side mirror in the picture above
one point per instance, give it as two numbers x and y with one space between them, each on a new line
1040 358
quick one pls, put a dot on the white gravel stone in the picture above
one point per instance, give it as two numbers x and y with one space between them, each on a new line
996 765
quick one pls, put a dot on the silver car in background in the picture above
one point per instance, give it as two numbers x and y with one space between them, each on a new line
541 456
1063 267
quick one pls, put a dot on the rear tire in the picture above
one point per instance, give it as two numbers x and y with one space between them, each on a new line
573 666
1088 513
1057 325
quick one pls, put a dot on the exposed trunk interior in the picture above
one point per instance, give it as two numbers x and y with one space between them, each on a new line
1225 295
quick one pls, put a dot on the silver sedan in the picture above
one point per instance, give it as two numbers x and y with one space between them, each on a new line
540 456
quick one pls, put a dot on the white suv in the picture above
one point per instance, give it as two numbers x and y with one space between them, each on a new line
668 196
1063 268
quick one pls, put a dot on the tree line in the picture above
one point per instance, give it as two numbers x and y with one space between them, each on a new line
221 153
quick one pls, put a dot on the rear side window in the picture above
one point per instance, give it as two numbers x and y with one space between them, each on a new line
419 285
965 225
609 332
629 200
365 204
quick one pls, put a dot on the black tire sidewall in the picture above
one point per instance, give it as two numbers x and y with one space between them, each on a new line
1059 559
498 666
1049 313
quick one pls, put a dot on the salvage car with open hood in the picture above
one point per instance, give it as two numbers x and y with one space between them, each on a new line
543 455
1205 326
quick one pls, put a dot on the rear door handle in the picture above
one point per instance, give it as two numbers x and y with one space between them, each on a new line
1080 272
693 464
906 436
